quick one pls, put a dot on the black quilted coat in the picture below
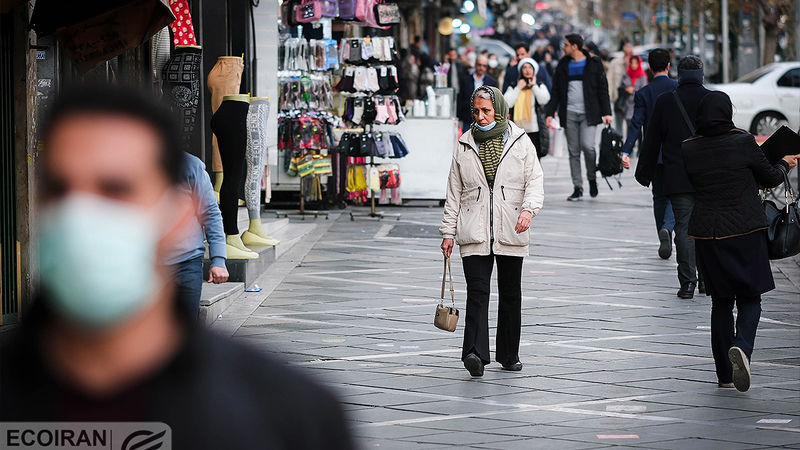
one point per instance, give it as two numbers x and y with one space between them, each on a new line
726 171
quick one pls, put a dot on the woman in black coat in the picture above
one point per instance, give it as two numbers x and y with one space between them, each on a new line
726 168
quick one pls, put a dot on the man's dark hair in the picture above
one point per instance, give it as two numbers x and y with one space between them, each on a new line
128 102
520 45
417 39
575 39
658 59
690 62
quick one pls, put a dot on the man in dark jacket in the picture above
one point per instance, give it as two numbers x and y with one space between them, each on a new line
107 341
667 131
467 86
580 97
644 101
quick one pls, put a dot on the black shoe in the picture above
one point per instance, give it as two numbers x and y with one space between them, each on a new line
665 249
474 364
513 367
701 287
577 194
687 291
741 369
593 189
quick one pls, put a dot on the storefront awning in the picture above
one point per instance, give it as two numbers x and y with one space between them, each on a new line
100 30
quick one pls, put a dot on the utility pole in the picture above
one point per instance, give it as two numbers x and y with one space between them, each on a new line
797 29
726 45
690 41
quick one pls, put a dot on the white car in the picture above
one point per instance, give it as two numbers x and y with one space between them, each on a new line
766 98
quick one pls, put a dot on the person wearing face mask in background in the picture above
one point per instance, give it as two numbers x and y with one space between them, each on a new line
107 340
525 97
495 70
469 83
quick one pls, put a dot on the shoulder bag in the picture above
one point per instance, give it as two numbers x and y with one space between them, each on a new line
783 234
446 317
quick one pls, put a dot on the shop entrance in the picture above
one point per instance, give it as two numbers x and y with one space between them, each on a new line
9 248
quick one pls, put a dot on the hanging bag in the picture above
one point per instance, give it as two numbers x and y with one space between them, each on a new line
347 9
309 11
783 234
446 317
387 13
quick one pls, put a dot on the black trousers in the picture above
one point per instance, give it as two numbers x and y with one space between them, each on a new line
181 77
725 335
478 273
229 124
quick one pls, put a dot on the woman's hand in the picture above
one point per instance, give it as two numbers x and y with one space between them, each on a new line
447 247
522 83
524 222
629 89
791 160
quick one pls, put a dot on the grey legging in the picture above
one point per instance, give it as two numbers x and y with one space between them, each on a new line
256 152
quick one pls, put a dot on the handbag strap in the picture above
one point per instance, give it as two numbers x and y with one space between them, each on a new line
787 190
448 271
683 112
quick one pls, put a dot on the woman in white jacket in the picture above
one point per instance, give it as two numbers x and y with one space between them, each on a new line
525 96
494 189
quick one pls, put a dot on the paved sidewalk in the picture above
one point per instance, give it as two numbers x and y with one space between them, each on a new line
612 356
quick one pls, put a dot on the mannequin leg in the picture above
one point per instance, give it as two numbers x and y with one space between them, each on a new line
229 123
256 149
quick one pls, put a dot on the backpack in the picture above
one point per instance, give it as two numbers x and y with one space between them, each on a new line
610 163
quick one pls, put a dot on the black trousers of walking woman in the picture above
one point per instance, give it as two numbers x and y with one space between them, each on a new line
478 273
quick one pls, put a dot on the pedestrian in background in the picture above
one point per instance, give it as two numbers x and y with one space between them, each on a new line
726 168
580 97
512 73
106 341
469 83
453 68
187 258
616 69
409 84
668 128
494 189
643 104
525 97
633 80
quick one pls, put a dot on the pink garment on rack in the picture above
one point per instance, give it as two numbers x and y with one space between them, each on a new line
182 27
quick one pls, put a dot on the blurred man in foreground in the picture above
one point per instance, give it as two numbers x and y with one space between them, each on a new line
106 341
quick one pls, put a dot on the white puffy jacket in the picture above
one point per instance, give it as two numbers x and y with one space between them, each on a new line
483 220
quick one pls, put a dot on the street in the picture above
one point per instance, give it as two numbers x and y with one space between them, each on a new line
611 356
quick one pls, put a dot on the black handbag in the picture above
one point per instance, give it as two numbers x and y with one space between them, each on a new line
783 234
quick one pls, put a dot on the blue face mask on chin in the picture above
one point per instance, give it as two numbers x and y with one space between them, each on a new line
486 127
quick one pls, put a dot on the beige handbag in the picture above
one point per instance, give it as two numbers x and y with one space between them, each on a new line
447 316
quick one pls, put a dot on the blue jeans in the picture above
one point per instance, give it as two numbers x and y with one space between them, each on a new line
189 284
724 334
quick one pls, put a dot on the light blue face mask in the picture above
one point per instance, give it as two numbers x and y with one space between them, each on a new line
97 259
486 127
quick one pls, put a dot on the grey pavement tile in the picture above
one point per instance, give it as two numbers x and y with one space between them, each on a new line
460 438
544 443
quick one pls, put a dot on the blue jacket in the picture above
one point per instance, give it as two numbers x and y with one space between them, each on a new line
208 218
643 103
